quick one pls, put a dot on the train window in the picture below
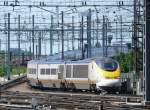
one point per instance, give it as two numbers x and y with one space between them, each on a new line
48 71
68 71
31 71
61 71
42 71
53 71
110 66
34 71
80 71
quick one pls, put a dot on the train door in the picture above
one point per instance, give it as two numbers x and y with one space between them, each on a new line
60 71
32 71
68 71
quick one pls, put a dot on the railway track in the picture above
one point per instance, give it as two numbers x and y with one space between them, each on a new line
58 100
68 101
13 82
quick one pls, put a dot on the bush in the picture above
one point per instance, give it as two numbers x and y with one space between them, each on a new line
2 71
126 61
13 69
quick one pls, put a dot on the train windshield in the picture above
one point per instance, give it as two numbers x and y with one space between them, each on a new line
108 65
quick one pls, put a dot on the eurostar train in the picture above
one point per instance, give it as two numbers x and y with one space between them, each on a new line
90 74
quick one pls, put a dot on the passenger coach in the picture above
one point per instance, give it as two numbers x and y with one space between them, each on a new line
90 74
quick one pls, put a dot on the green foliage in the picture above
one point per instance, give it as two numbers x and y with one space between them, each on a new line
126 61
98 45
2 71
22 69
14 69
2 54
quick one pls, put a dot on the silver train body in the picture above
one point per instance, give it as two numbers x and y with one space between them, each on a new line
90 74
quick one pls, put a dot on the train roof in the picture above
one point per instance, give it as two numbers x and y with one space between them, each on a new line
77 54
85 61
55 59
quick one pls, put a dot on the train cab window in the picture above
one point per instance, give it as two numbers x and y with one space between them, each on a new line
47 71
53 71
42 71
108 65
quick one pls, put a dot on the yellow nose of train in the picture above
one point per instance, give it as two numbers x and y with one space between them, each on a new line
108 69
109 73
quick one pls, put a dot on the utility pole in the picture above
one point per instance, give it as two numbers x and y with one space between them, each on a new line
146 54
36 51
93 38
19 45
51 36
116 30
6 49
121 32
39 46
45 47
82 37
97 24
103 36
67 37
106 48
79 36
59 40
57 11
33 35
62 35
89 34
8 55
30 50
73 33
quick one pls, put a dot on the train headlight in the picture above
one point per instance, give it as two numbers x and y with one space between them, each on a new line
117 77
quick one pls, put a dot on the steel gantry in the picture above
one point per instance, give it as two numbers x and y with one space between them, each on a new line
60 23
146 55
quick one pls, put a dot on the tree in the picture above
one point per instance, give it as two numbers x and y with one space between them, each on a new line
126 61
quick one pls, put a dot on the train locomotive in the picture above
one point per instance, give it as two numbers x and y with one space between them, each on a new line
89 74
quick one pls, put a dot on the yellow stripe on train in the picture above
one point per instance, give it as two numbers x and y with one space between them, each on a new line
108 74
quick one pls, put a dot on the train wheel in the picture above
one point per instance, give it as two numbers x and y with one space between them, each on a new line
63 86
73 87
97 91
92 87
